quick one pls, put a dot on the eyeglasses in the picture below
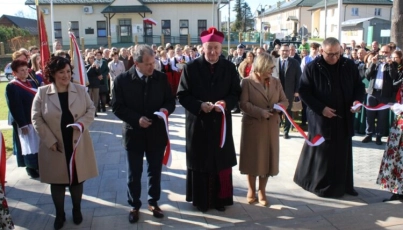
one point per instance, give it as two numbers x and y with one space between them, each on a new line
331 54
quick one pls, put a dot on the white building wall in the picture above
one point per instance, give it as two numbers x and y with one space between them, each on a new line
173 12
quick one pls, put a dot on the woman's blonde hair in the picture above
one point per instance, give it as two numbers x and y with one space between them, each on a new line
34 63
262 63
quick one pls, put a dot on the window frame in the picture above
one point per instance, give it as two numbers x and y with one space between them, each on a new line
201 28
166 30
76 31
58 29
101 28
183 27
355 11
379 10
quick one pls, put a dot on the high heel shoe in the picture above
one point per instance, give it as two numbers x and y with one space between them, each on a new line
251 200
262 199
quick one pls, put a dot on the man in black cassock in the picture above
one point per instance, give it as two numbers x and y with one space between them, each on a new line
329 86
207 82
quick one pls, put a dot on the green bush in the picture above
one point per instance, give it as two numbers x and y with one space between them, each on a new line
6 33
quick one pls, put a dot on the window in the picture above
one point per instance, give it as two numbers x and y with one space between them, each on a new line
166 27
149 29
125 22
101 28
378 11
183 27
354 11
58 29
74 29
201 26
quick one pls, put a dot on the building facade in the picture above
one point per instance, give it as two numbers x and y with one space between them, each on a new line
352 10
125 21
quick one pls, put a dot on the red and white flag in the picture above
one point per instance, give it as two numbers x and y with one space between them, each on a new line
167 160
79 74
43 39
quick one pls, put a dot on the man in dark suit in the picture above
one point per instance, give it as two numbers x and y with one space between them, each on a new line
289 74
240 49
380 75
137 94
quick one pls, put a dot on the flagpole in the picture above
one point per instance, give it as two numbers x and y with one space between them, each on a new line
38 20
52 26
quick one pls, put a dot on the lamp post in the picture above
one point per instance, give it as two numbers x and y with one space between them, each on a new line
261 23
229 26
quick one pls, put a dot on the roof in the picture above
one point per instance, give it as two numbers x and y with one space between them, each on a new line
126 9
92 2
321 4
24 23
354 22
69 2
284 5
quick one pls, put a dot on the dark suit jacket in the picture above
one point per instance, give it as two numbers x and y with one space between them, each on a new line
292 76
298 58
134 98
389 75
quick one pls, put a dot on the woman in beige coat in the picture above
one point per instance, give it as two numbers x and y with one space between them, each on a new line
259 154
55 106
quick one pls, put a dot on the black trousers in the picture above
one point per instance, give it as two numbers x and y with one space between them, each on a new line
287 123
134 171
382 116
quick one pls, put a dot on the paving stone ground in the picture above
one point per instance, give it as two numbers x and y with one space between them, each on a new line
104 204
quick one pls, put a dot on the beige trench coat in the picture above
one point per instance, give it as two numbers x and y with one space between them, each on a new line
259 154
46 115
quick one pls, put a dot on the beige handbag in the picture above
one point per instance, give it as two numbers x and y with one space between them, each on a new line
296 105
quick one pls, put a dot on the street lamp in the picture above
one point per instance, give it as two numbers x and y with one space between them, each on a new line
261 23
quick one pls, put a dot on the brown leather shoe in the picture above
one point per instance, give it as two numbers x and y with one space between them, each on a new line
157 212
134 216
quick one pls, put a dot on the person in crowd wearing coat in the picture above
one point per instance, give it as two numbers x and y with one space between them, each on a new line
330 85
20 93
103 86
137 94
56 106
116 67
207 83
94 77
245 67
289 72
381 74
259 155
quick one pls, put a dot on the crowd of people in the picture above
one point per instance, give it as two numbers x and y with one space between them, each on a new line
51 114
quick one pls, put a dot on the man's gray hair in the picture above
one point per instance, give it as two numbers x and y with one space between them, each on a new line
330 42
141 51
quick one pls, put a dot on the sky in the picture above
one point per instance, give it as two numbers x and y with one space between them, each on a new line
11 7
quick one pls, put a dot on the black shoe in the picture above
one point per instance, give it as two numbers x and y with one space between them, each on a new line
286 136
352 192
77 216
103 109
220 209
96 115
59 221
202 209
134 216
33 173
157 212
367 139
378 141
393 197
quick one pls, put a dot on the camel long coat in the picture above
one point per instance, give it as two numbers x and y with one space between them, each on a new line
46 115
259 155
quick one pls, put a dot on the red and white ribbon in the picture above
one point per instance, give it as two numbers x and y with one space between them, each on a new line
223 132
167 160
2 161
24 87
316 141
372 108
72 163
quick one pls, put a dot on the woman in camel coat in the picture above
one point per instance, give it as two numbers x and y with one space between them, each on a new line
55 106
259 155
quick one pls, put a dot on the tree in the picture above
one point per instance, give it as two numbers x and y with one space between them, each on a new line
244 18
397 23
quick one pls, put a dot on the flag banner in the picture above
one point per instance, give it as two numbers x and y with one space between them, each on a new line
2 161
79 74
43 40
223 132
317 140
167 160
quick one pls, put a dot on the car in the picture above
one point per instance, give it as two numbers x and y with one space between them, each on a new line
8 72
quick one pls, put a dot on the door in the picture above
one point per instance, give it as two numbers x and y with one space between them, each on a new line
125 31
